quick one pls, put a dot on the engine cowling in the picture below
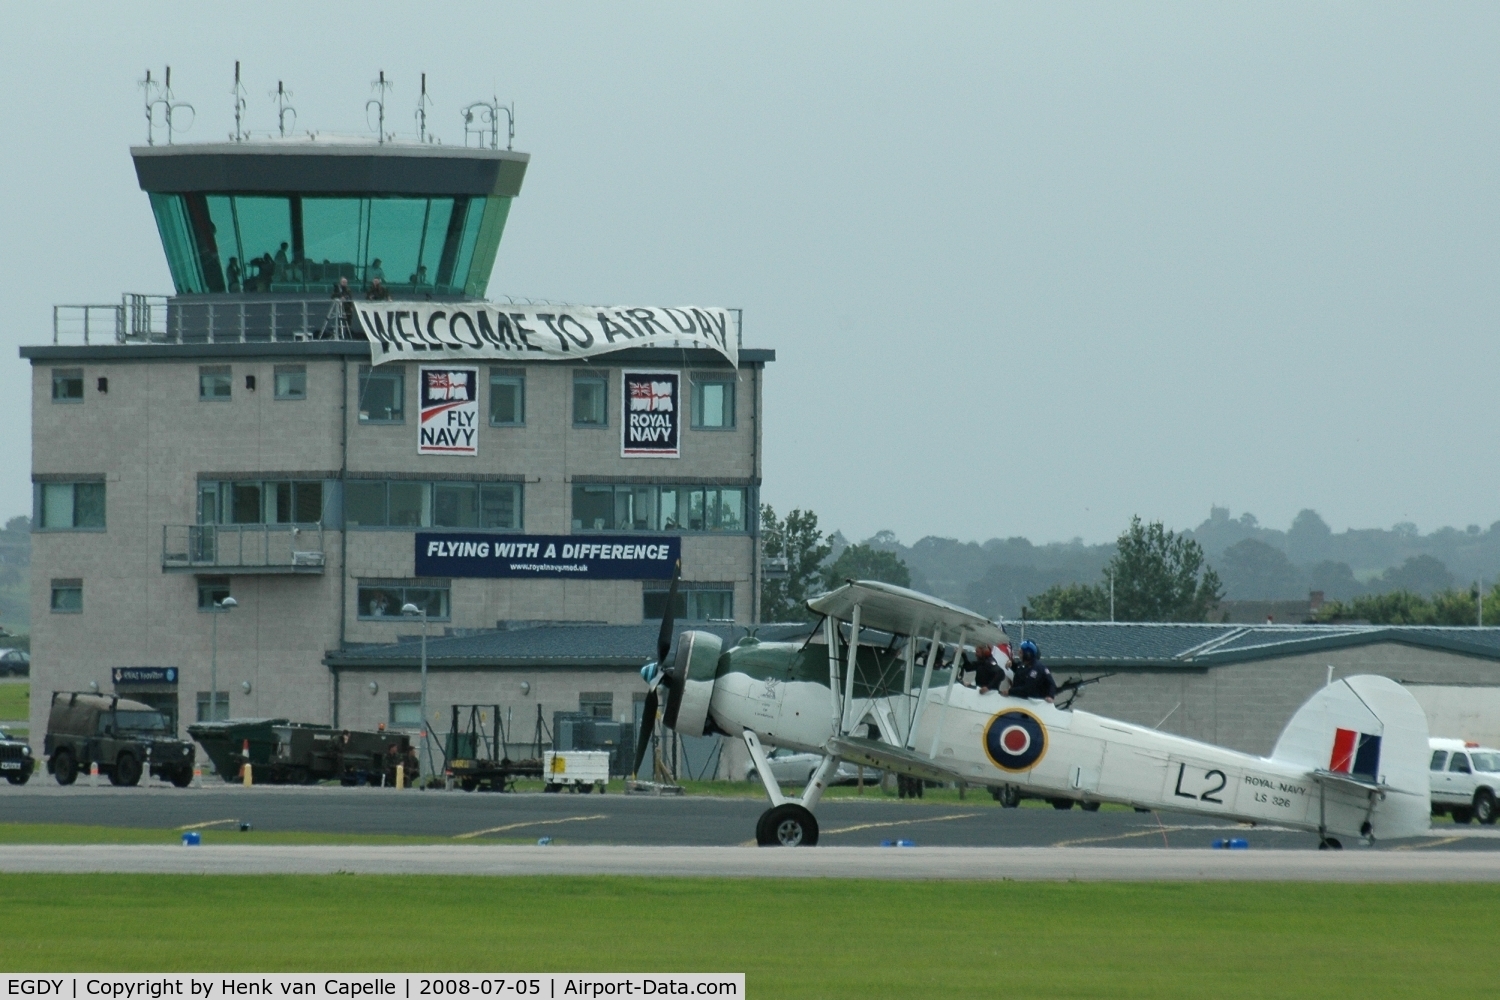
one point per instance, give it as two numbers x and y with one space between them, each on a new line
692 685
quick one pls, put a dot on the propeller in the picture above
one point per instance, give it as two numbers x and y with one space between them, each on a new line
656 672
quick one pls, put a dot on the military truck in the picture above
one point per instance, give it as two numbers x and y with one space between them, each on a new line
283 752
16 762
125 738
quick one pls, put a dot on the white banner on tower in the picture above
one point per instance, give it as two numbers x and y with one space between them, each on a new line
486 331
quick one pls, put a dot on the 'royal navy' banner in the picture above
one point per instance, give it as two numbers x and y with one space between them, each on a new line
651 424
475 331
449 411
587 557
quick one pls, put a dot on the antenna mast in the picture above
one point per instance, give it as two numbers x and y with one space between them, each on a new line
164 99
282 95
422 104
238 93
380 86
489 122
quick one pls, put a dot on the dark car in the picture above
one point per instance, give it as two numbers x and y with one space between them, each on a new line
16 762
15 662
125 738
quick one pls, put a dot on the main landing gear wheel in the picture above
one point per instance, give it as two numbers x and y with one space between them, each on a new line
1009 796
64 769
787 825
1330 844
1089 807
1062 803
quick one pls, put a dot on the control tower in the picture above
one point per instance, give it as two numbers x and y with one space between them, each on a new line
259 234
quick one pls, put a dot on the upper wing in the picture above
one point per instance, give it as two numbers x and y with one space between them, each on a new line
893 609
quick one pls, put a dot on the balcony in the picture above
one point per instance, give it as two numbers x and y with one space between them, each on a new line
242 548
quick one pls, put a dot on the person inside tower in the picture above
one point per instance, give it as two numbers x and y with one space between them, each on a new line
1032 678
232 274
378 292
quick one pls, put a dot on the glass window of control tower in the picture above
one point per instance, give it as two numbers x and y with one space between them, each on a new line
243 243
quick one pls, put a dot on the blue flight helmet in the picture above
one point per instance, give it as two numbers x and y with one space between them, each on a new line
1029 652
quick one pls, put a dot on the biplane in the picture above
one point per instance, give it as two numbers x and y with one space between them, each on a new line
870 686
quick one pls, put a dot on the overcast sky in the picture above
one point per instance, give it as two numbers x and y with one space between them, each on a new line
1028 269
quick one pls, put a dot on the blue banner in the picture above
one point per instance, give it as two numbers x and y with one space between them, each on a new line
587 557
144 675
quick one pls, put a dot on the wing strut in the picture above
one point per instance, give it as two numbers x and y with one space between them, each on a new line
953 671
831 636
844 721
932 652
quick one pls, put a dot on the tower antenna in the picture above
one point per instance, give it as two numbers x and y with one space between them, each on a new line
380 86
163 98
488 114
422 104
238 93
282 95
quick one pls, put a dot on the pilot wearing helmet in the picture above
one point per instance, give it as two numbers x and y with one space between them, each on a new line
1032 678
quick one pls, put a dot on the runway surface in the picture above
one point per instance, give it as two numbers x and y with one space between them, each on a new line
699 821
1021 864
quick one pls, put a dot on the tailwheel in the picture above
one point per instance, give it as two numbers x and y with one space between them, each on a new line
787 825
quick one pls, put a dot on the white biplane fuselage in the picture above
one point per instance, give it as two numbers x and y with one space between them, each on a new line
1351 762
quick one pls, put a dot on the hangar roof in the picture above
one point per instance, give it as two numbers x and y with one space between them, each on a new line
1077 645
545 644
1156 645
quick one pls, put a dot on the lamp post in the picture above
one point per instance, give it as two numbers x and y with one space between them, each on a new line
412 609
220 607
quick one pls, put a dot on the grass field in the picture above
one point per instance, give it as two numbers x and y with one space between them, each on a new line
806 938
15 702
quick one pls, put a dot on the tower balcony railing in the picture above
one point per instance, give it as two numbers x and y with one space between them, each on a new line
242 548
229 319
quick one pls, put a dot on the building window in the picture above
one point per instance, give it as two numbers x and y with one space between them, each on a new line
659 508
406 710
382 395
261 502
507 398
291 381
590 399
212 590
67 385
215 382
67 506
67 597
220 707
599 704
695 602
382 600
405 504
713 403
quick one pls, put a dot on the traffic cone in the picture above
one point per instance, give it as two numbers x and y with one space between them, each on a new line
197 776
94 773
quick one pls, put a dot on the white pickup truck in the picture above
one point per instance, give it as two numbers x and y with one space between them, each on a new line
578 770
1465 780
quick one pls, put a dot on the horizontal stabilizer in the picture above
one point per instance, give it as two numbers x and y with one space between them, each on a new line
873 753
1352 781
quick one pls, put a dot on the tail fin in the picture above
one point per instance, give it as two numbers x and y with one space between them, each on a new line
1372 729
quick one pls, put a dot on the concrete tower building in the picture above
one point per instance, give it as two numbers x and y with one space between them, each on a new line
235 439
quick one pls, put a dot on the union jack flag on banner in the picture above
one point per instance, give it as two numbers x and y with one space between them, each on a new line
651 426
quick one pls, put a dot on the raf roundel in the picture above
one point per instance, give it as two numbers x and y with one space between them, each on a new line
1015 740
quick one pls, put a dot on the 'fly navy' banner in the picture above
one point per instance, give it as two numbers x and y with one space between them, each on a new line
485 331
587 557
